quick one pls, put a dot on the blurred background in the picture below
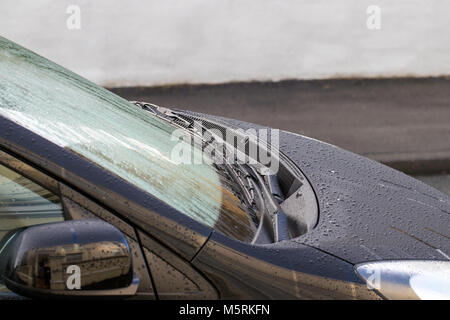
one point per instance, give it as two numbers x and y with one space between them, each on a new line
368 76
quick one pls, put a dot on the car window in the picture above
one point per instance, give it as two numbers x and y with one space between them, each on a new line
111 132
24 203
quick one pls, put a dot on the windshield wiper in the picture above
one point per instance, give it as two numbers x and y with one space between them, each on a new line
273 195
247 177
237 176
164 113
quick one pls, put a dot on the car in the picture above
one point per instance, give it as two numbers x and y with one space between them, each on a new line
103 197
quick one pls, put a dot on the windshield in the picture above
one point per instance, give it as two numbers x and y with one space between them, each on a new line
111 132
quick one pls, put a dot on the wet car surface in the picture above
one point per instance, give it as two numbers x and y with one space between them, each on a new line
213 231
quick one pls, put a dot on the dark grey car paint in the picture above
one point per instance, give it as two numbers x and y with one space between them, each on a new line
368 211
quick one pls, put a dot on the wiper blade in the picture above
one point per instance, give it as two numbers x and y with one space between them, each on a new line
164 113
236 176
269 189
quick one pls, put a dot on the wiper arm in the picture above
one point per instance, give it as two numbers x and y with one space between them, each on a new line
270 190
240 181
274 197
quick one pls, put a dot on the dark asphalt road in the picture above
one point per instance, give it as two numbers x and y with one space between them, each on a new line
401 122
440 182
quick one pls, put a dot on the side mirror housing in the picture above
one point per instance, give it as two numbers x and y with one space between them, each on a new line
71 259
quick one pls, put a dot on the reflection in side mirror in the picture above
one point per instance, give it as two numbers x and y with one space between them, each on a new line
68 259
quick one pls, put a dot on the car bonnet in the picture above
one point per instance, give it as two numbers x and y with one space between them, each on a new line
367 211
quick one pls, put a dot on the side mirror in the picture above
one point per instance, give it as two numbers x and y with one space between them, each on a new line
81 258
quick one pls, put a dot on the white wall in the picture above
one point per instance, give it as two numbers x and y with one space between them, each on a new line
135 42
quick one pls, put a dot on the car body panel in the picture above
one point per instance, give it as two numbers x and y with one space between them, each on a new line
367 211
279 271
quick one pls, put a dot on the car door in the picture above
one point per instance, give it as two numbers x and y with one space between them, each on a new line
171 277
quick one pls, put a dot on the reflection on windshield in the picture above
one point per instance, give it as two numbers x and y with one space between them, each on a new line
106 129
